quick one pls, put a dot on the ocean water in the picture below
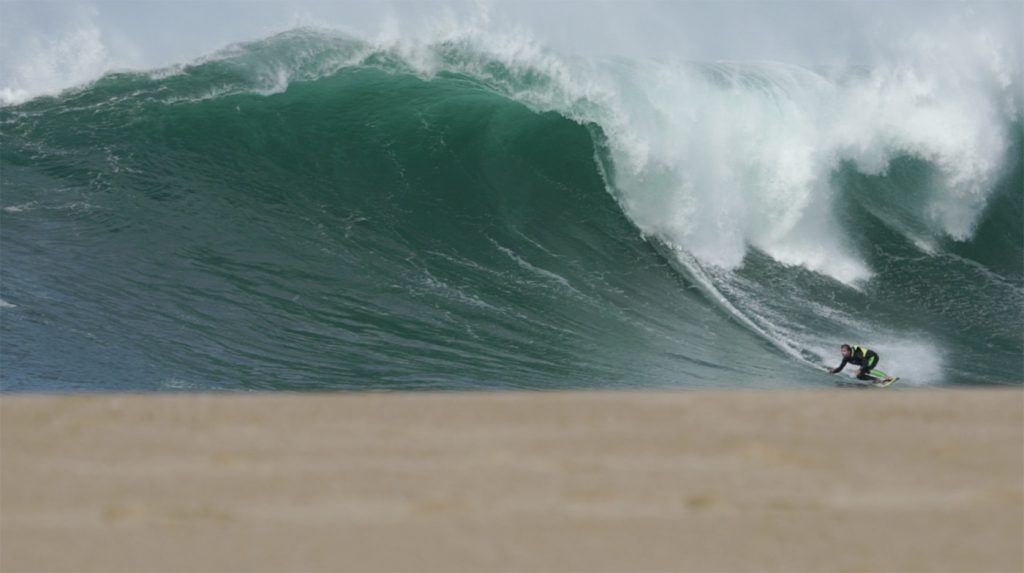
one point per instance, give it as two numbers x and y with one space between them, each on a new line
317 211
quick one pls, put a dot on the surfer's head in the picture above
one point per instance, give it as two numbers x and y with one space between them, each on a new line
845 349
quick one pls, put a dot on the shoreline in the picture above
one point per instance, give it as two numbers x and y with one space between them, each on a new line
824 480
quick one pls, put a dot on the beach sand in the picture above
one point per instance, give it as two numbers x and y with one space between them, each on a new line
839 480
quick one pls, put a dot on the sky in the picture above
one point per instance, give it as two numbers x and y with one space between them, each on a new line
47 45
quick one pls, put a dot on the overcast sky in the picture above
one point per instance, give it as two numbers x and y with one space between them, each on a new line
53 44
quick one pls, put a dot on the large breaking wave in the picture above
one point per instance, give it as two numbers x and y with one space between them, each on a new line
318 211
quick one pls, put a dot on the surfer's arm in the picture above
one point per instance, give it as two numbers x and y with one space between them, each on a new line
839 368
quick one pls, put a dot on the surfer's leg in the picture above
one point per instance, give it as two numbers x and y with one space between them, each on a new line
874 372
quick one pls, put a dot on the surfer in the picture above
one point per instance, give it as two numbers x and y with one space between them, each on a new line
866 358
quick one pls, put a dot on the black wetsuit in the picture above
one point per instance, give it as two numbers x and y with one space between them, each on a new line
863 357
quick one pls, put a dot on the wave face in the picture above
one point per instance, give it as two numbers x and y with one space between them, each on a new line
314 211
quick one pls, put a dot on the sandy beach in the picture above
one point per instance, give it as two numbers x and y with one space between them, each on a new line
688 481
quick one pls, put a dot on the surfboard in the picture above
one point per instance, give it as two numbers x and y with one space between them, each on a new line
875 382
855 383
885 383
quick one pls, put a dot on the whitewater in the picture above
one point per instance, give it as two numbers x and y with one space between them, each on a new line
467 209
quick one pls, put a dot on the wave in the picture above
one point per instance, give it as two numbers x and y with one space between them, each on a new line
315 210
